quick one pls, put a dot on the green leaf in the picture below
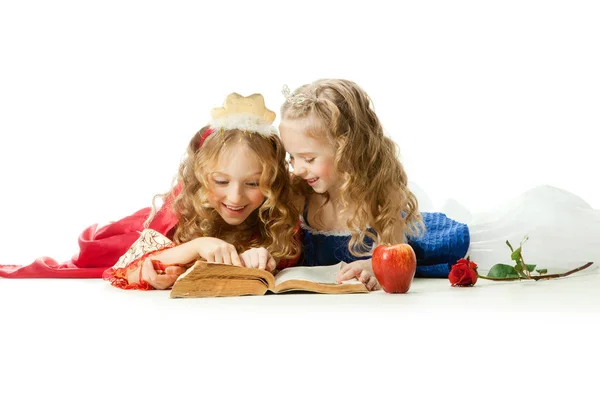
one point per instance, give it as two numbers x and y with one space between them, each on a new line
503 271
519 266
516 255
530 267
542 271
523 275
509 246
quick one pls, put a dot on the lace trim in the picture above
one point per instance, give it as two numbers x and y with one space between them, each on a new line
118 276
149 243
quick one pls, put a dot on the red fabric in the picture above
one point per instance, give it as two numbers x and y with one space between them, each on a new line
208 132
101 249
98 249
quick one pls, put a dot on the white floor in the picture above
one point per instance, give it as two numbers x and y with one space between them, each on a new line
533 340
70 337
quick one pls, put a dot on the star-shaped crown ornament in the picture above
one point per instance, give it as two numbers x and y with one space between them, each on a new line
244 113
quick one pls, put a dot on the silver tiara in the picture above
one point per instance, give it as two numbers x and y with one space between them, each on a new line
293 98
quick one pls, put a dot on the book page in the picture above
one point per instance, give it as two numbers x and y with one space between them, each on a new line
321 274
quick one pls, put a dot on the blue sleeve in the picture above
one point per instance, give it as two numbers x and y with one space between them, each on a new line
442 244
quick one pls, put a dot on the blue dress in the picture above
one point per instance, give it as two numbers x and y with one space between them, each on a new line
442 244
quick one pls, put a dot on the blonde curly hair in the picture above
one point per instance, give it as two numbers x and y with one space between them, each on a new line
373 180
272 225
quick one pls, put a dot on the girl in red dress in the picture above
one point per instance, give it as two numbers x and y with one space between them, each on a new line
231 204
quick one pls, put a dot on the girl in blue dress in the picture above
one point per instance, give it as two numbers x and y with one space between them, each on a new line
353 188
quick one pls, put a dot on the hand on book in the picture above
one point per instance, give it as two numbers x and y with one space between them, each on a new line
360 270
215 250
258 258
162 281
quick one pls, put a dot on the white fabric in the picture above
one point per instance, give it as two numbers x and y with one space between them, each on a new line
244 122
563 230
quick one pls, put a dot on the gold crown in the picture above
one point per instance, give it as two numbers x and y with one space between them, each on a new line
253 105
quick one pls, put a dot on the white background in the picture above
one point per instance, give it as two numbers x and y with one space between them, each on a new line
99 99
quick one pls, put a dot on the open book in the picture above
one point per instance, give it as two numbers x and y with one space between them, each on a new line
221 280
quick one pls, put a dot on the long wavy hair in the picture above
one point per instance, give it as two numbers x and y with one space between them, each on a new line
373 180
272 225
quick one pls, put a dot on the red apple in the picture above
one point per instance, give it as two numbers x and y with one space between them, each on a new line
394 267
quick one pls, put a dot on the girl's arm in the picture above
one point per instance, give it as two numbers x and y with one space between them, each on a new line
184 253
180 255
146 256
207 248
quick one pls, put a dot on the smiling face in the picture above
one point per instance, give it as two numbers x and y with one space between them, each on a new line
312 158
234 184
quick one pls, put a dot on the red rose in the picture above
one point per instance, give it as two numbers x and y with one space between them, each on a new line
463 273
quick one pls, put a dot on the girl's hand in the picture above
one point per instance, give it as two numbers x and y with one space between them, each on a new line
360 270
217 251
163 281
259 258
